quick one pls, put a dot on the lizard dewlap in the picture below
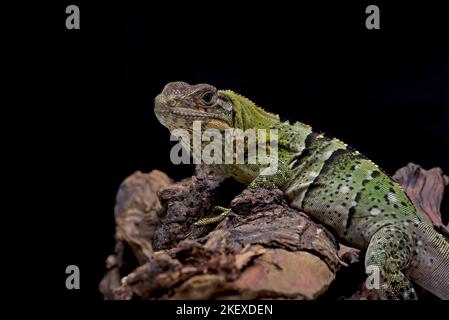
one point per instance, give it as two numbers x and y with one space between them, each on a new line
329 181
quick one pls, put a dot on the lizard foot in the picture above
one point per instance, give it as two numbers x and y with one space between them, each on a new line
207 223
387 255
218 214
396 286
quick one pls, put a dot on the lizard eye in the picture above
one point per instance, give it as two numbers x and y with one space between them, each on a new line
208 98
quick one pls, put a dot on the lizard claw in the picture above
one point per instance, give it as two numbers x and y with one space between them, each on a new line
206 224
215 218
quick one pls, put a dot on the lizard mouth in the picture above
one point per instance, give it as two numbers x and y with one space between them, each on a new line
199 114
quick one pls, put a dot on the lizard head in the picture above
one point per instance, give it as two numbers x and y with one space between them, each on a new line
179 104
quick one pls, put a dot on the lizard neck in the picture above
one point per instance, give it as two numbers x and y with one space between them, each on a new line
248 115
292 137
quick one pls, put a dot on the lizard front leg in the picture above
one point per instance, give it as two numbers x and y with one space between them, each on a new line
389 252
273 181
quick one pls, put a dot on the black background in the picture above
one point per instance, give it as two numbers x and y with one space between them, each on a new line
384 92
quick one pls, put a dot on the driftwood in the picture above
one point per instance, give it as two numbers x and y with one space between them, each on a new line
263 249
426 189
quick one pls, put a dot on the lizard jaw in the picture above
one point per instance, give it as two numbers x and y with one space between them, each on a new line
178 117
201 115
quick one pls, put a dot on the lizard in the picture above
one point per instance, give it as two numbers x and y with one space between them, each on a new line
329 181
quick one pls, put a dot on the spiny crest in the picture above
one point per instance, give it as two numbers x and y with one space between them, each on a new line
248 114
249 102
341 142
240 96
372 163
302 124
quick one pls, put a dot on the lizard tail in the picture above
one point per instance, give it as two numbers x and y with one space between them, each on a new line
429 267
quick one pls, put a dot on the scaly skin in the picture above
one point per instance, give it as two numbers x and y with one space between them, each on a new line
329 181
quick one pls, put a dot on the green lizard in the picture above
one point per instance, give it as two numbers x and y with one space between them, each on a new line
329 181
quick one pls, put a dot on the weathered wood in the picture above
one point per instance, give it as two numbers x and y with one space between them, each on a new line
136 217
253 253
426 189
263 249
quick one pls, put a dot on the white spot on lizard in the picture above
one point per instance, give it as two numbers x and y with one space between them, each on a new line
340 209
313 174
344 189
392 197
375 211
327 155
